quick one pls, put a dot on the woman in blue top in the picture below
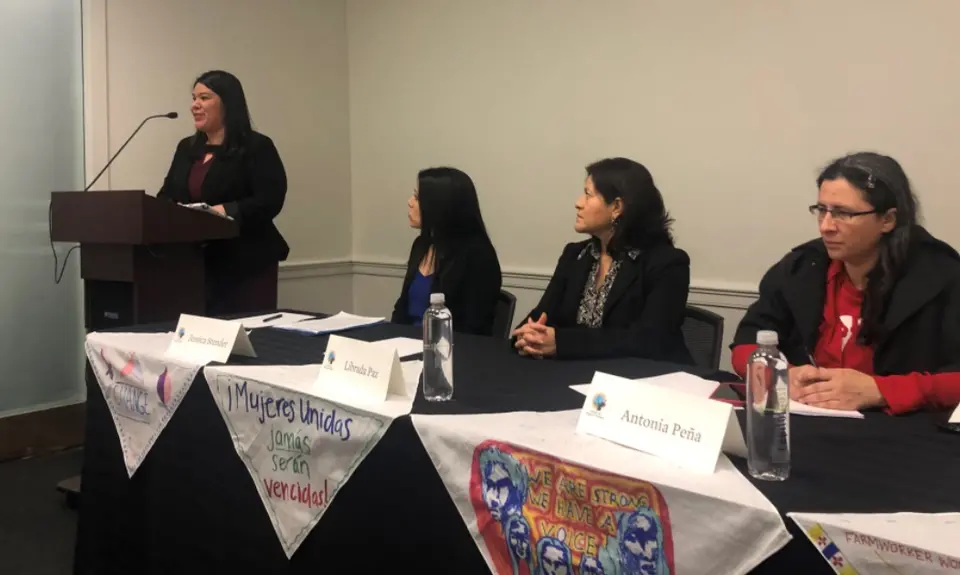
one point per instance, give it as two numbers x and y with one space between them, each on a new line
452 255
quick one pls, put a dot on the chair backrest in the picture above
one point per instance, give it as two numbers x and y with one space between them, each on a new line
503 320
703 334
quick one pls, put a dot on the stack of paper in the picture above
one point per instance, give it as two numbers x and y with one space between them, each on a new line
340 322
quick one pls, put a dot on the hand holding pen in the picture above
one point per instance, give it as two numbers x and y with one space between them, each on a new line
802 375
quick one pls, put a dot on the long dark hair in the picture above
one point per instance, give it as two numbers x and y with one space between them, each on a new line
449 214
236 115
644 221
885 186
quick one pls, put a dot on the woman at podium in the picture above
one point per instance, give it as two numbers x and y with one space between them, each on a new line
238 172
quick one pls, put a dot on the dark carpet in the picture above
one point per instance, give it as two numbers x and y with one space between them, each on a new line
37 528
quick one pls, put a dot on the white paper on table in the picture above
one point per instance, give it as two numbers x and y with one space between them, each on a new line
257 321
885 543
718 523
411 375
691 385
803 409
679 381
405 346
955 417
339 322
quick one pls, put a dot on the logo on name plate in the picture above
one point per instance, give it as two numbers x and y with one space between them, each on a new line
331 356
181 332
598 402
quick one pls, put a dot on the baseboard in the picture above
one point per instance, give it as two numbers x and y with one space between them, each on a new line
702 293
43 431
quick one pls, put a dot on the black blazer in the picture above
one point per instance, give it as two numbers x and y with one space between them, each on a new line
469 279
921 324
643 312
251 183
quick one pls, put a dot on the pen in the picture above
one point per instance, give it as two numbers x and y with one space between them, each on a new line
273 317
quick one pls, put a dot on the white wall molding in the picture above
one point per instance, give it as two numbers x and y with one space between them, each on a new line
304 269
712 295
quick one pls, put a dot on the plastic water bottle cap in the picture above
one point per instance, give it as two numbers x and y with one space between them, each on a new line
437 299
767 337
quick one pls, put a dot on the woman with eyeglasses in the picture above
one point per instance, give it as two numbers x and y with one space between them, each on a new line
623 291
452 255
869 314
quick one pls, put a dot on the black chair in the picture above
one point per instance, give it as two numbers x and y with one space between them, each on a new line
503 321
703 334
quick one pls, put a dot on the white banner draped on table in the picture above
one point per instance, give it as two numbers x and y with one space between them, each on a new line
300 449
141 387
539 498
885 543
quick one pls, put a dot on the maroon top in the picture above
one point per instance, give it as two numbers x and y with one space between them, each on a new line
195 180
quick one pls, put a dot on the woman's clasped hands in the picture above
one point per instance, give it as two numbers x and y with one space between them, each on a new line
536 338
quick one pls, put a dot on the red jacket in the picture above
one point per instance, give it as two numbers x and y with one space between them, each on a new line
916 363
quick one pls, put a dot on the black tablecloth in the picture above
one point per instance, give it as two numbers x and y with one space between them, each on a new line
193 508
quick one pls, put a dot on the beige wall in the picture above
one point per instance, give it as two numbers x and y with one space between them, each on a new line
291 56
732 105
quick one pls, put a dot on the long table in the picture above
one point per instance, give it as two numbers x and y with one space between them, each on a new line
192 507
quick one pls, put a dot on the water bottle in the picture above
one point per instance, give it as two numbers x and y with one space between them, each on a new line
768 411
437 350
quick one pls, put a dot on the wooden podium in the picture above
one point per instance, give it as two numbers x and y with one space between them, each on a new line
141 258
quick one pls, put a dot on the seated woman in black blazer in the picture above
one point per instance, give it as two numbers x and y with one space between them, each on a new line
239 173
624 291
453 254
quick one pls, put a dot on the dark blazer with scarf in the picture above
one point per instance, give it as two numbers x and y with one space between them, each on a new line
921 323
642 314
251 183
469 279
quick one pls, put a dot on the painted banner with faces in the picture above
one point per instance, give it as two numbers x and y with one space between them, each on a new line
539 498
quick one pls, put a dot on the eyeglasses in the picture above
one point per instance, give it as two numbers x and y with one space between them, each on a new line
838 214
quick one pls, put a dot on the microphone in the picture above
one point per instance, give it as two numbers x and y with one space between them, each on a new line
170 115
57 270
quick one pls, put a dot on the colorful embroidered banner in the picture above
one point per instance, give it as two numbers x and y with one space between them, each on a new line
141 388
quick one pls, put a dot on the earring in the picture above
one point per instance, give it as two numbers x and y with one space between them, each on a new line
616 221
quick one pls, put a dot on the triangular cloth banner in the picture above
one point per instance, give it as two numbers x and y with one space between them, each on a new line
539 498
141 387
884 543
299 449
